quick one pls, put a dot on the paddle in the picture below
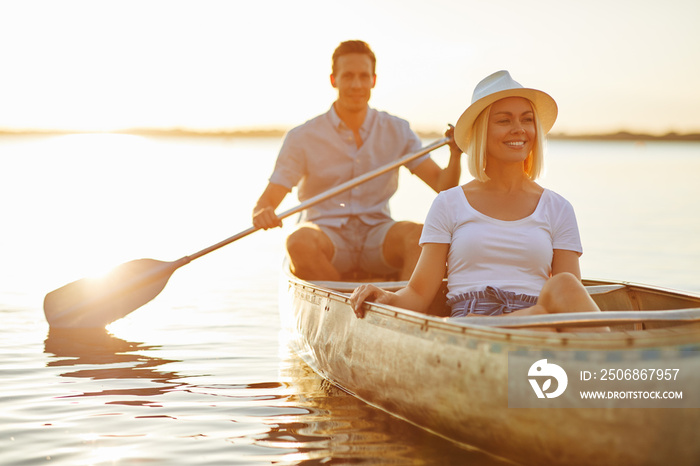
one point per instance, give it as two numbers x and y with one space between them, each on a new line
89 303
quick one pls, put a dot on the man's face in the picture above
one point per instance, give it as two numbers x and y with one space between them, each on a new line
354 80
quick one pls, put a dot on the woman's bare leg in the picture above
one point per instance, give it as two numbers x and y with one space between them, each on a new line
562 293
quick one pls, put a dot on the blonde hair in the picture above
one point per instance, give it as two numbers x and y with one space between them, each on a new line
476 152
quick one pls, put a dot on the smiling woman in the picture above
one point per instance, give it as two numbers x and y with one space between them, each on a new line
507 245
512 133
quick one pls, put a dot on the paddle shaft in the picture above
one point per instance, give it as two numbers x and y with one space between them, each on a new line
323 197
89 303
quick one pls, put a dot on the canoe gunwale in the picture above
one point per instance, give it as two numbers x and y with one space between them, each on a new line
526 331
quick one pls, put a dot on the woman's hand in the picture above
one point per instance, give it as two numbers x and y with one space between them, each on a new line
368 293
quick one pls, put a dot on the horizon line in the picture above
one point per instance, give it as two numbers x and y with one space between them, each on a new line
278 133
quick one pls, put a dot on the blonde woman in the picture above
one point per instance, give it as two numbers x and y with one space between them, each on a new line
508 245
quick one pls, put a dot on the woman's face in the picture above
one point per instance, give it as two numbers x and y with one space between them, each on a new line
511 130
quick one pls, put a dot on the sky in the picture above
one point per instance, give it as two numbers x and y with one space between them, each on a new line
611 65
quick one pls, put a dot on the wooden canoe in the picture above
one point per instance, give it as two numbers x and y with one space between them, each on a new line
450 376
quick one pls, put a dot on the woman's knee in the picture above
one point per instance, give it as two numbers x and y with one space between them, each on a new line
564 292
564 283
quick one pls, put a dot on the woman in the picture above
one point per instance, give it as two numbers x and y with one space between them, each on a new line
508 245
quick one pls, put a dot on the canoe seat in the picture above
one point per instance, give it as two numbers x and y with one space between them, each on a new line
612 297
603 289
349 287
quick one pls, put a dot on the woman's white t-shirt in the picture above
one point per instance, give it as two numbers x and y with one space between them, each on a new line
512 255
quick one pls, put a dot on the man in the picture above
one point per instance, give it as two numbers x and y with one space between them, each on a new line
352 232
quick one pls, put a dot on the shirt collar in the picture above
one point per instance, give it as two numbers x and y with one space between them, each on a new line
366 125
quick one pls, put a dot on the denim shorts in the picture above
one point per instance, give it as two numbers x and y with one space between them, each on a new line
489 302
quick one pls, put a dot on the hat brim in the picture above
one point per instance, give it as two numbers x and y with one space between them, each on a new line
544 104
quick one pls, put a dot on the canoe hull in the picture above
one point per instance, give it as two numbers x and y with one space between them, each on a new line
452 380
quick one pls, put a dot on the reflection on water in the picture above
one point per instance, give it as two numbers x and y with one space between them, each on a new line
115 359
197 376
340 428
300 418
303 419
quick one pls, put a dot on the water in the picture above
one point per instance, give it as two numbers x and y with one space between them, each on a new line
199 375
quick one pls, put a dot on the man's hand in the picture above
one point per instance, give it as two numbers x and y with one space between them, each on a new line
264 211
455 151
265 218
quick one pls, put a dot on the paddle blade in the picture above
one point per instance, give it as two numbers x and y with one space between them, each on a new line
90 303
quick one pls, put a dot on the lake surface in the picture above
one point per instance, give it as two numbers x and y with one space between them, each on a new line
200 375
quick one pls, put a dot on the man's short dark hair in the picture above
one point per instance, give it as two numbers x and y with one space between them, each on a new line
353 46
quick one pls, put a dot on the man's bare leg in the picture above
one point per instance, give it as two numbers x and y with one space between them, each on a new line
310 251
401 247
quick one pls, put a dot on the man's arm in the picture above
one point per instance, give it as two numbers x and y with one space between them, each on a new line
264 211
441 179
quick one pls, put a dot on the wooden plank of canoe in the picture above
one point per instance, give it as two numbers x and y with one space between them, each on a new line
584 319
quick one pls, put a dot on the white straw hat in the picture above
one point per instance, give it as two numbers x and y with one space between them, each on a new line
496 87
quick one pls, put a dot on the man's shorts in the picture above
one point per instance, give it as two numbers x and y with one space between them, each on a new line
359 247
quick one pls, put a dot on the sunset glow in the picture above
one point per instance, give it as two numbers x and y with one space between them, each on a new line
82 65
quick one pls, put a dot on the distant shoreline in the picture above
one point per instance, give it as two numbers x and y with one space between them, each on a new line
626 136
278 133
